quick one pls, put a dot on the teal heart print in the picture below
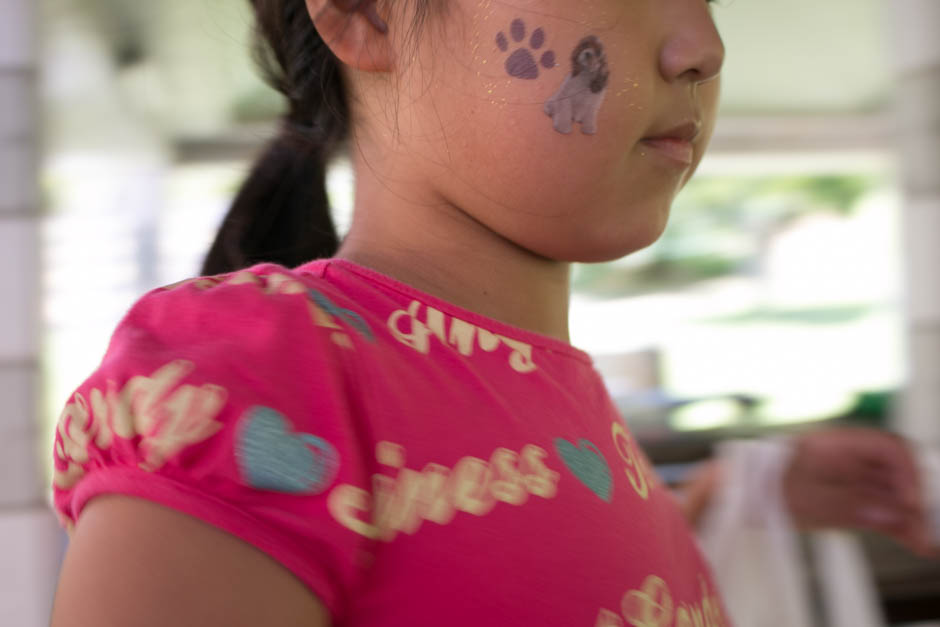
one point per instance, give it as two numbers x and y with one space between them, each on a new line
588 465
272 458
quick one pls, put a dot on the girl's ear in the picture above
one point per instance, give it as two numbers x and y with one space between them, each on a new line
357 35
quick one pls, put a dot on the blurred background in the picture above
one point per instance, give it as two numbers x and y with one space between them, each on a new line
797 282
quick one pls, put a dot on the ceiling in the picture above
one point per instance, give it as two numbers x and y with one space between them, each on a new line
805 56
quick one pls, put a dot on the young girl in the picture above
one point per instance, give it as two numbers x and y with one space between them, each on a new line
399 432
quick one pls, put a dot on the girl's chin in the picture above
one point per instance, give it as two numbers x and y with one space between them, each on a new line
603 248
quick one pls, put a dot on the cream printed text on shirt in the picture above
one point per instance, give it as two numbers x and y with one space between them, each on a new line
166 421
653 605
437 493
638 472
408 329
323 312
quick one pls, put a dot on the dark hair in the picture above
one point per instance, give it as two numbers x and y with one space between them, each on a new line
281 214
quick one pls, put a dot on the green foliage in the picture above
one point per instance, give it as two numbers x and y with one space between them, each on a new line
257 104
720 225
831 315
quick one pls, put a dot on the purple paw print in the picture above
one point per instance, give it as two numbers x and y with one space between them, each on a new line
522 63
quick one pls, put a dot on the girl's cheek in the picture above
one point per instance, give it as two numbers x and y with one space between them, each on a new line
568 82
511 95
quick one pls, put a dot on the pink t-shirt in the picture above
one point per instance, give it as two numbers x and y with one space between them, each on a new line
413 463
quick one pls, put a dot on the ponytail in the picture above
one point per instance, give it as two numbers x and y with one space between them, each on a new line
281 214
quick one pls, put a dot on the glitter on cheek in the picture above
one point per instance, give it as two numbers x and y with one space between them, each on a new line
484 10
629 84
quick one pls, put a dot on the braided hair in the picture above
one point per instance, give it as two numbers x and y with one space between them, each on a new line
281 214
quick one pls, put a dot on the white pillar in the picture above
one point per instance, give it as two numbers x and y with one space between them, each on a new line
916 25
29 538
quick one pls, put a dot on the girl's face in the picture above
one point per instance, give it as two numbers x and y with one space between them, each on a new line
565 126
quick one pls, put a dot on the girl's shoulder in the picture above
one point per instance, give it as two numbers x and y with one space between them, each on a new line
266 288
265 308
210 355
228 398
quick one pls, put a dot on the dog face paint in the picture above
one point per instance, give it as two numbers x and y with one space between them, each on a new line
581 95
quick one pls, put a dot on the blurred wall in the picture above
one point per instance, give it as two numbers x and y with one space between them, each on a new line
29 537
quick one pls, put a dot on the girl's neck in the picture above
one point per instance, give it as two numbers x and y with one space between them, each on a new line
438 248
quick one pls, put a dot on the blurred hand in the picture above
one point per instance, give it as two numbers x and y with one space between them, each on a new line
695 494
859 479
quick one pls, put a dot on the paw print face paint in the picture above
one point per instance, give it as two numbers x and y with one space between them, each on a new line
521 63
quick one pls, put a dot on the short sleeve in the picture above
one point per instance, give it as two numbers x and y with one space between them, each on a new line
231 399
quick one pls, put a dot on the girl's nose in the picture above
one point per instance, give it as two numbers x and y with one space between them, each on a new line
692 49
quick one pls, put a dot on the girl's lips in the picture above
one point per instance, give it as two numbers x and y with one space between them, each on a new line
678 150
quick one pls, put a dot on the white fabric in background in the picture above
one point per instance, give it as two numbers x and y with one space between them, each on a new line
845 582
754 550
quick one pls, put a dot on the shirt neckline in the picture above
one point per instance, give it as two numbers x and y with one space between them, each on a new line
545 342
